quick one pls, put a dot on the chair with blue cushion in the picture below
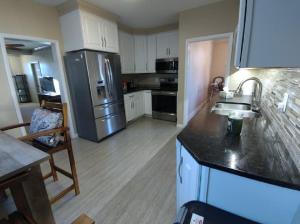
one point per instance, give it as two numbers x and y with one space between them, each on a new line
49 132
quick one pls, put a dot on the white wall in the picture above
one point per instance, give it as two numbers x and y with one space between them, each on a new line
8 115
15 64
200 58
21 64
48 68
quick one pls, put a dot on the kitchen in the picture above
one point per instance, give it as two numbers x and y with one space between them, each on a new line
140 156
147 68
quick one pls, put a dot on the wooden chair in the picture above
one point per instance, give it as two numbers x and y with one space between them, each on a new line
64 144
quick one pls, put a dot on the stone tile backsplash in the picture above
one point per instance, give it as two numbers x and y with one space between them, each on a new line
276 82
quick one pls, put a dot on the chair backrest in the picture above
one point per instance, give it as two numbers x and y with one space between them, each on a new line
57 107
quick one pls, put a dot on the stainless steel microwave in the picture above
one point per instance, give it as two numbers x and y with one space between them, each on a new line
166 65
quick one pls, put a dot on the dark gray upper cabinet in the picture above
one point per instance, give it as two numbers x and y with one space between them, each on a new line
268 34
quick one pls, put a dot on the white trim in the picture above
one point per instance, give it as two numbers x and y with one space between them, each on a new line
186 116
57 58
11 84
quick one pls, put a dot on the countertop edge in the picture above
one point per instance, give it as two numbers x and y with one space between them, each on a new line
238 172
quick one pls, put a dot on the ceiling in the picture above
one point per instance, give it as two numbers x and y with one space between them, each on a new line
144 13
28 45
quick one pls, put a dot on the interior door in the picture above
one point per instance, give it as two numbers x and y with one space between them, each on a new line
100 82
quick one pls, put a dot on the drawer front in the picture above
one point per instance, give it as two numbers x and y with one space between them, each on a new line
110 124
101 111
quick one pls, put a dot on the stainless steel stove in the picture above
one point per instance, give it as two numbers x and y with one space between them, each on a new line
164 101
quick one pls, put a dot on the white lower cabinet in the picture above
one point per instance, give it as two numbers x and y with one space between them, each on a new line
188 176
252 199
148 102
135 104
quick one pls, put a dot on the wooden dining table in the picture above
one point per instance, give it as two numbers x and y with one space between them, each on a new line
20 161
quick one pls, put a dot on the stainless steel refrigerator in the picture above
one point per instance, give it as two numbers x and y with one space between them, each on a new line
96 90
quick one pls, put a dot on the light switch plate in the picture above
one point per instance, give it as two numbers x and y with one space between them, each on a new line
197 219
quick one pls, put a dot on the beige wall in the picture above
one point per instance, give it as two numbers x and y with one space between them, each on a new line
219 58
200 58
23 17
71 5
207 20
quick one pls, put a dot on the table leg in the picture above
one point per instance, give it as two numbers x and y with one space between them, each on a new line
37 204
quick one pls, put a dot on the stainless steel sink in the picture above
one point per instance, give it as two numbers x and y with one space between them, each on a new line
242 110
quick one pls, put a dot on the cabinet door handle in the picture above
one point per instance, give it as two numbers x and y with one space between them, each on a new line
105 41
179 169
167 51
102 41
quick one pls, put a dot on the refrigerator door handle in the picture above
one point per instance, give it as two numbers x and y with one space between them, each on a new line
110 73
109 86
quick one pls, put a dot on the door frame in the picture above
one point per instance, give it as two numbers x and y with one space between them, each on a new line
62 78
228 36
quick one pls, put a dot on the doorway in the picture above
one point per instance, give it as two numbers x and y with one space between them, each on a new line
34 72
208 62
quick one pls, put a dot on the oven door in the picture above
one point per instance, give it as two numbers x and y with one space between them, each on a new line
164 105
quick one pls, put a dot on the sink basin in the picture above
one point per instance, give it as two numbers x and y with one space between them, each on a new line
233 106
240 109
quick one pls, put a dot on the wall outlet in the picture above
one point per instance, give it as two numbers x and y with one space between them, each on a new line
197 219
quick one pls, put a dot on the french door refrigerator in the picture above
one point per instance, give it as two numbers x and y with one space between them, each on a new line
96 90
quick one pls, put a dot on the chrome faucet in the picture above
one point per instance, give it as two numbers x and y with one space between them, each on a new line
256 95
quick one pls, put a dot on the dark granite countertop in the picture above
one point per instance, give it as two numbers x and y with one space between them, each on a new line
257 154
157 88
136 89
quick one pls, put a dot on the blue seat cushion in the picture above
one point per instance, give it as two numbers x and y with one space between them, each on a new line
43 120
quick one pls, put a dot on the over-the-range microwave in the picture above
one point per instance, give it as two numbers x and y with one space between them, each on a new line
166 65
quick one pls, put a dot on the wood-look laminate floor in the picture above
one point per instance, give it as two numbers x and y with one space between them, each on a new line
128 178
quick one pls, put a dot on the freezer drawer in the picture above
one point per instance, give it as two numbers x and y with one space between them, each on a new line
106 109
109 124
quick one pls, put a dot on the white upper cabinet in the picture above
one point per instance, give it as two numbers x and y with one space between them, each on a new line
111 40
140 52
145 49
268 34
167 44
82 30
151 53
173 44
126 52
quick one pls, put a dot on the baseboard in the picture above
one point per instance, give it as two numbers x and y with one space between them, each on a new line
194 112
75 135
180 125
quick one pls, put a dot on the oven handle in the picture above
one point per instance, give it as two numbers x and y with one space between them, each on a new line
163 93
